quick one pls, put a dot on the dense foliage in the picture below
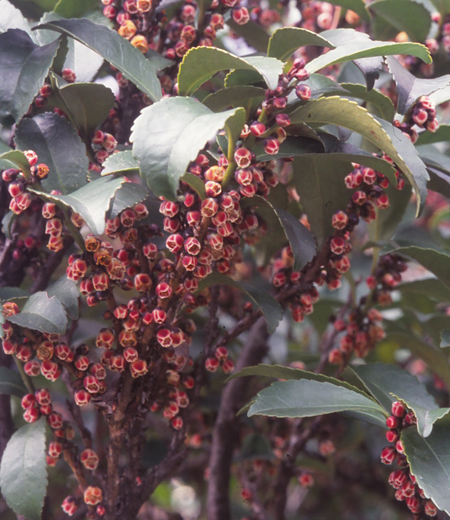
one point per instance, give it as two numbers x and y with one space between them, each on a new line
199 198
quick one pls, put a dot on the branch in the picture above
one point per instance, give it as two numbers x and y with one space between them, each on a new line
225 434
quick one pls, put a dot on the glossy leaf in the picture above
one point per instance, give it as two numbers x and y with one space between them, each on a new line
58 145
9 293
201 63
281 222
42 313
164 153
68 294
254 34
389 383
308 398
12 18
87 104
92 201
410 88
442 134
269 307
285 41
11 383
429 461
23 66
430 287
15 159
24 467
382 103
247 97
127 196
342 112
445 338
405 15
291 147
319 181
366 49
120 162
114 49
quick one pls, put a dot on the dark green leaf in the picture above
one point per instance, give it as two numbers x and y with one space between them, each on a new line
120 162
404 15
71 9
87 104
285 41
308 398
23 477
7 224
247 97
291 147
9 293
11 383
358 6
201 63
410 88
389 383
114 49
430 287
429 461
319 181
15 159
281 222
342 112
383 103
442 134
164 152
58 145
92 201
127 196
43 314
366 49
196 183
270 308
255 446
255 35
68 294
24 66
436 262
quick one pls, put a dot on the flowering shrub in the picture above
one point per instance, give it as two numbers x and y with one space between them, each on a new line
201 197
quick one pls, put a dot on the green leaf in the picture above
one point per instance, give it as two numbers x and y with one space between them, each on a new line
430 287
127 196
291 147
23 477
442 134
436 262
308 398
15 159
320 85
366 49
383 103
342 112
196 183
120 162
67 293
281 222
92 201
58 145
404 15
410 88
12 18
71 9
23 66
11 383
389 383
9 293
114 49
385 225
247 97
429 461
164 153
319 181
270 308
201 63
255 446
358 6
255 35
285 41
445 338
87 104
43 314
